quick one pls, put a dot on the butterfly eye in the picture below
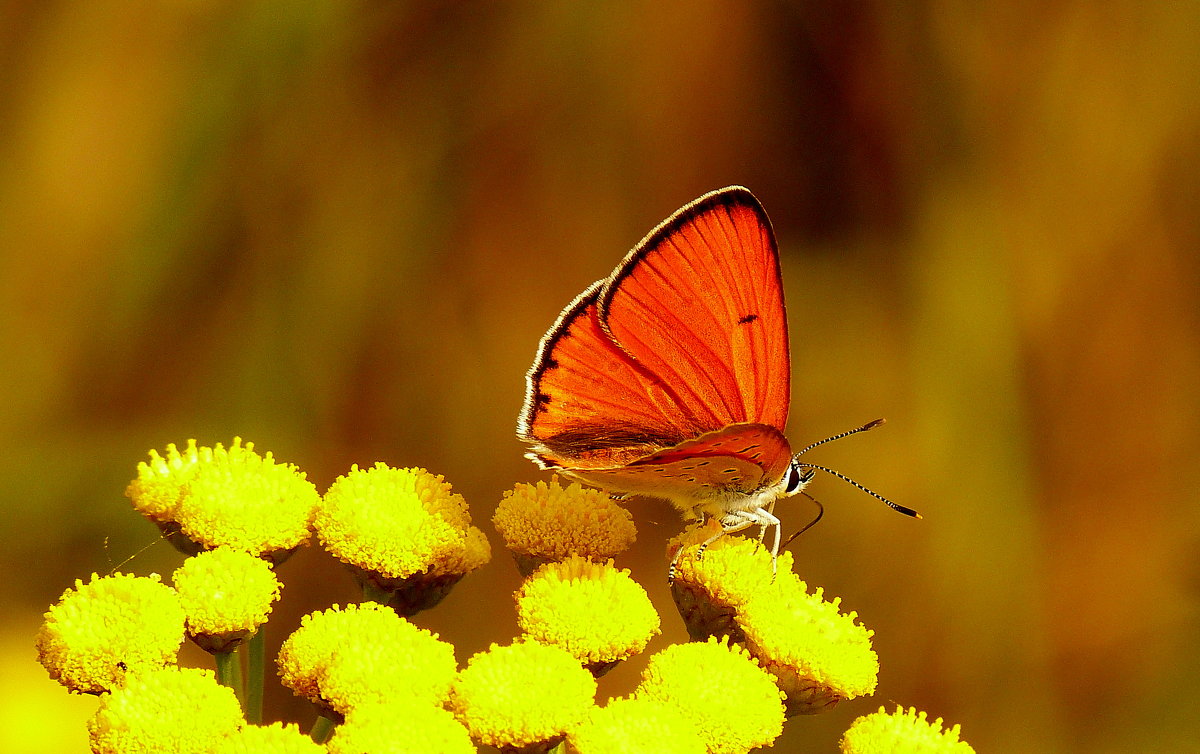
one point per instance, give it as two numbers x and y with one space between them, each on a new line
797 479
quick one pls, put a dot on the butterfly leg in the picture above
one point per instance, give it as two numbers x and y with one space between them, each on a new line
732 522
762 527
735 521
738 520
703 545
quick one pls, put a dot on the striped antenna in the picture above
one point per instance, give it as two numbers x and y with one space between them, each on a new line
863 428
869 425
872 493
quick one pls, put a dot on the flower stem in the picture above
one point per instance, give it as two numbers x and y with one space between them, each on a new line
375 593
322 729
255 661
229 673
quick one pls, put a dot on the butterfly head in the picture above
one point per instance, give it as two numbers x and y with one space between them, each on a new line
797 477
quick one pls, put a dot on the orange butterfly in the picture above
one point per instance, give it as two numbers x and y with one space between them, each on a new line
671 377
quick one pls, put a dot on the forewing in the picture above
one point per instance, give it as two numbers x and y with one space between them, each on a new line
588 403
699 304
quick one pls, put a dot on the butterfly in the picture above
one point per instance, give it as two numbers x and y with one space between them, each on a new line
671 377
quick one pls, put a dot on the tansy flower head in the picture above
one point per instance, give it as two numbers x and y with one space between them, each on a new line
709 587
901 732
341 659
165 711
818 655
226 496
593 610
401 530
733 702
227 595
161 484
546 522
276 738
118 624
400 726
636 724
523 696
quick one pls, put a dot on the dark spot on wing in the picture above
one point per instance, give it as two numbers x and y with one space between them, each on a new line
583 438
747 319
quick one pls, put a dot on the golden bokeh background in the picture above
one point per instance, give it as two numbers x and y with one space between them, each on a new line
339 229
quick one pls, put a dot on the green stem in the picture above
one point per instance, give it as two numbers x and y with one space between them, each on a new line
255 676
229 673
322 729
374 593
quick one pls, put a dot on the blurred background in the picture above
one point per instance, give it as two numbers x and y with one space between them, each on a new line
339 229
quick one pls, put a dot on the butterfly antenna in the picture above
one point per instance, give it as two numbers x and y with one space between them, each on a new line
872 493
810 524
863 428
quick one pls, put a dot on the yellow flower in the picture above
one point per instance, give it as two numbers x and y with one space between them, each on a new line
227 595
226 496
709 589
402 530
99 631
733 702
400 726
901 732
161 483
522 694
545 522
341 659
594 611
276 738
818 655
165 711
636 724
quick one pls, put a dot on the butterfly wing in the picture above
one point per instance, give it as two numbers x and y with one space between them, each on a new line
588 403
718 466
687 337
699 303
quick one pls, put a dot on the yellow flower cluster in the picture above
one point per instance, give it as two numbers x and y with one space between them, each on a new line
345 659
403 531
229 497
401 726
818 655
595 611
631 724
766 646
546 522
902 732
170 709
700 678
276 738
227 594
100 631
522 694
